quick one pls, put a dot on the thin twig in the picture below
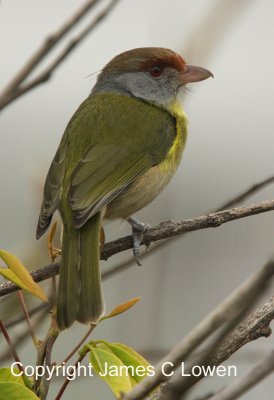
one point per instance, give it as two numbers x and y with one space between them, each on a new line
17 87
23 335
47 46
27 318
67 381
11 346
206 327
247 193
39 274
71 354
165 230
181 384
242 385
255 326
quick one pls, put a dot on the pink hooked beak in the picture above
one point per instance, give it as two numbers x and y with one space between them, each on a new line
194 74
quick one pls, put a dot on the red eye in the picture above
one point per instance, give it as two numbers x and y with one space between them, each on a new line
156 70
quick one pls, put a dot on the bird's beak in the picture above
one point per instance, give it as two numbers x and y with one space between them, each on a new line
194 74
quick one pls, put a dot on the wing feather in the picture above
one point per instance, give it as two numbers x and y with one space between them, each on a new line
52 190
100 176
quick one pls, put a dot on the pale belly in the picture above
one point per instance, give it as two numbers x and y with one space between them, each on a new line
142 192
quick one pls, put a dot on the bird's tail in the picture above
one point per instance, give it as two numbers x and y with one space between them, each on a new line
80 294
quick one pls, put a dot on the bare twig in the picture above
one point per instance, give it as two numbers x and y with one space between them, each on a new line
11 346
181 384
247 193
255 326
241 385
23 335
206 327
48 44
67 381
164 230
27 318
39 274
77 347
17 88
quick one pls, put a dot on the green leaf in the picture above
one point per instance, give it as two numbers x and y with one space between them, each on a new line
15 391
121 308
105 361
7 376
140 367
18 274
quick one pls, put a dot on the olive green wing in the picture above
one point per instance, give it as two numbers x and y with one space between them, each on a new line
52 190
119 149
104 172
126 147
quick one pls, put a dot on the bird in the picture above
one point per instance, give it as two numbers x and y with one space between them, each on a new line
118 152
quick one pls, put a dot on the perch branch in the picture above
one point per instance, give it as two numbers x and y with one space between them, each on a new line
162 231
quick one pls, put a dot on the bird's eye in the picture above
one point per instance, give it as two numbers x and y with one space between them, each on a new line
156 70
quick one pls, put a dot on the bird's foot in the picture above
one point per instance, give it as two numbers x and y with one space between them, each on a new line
53 251
138 228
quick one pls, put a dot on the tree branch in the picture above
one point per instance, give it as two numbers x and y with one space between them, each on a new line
162 231
234 335
17 88
247 193
170 228
161 244
241 385
225 310
255 326
23 335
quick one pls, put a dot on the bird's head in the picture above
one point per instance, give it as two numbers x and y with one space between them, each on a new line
153 74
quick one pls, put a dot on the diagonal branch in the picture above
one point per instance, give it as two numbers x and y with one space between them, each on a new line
241 385
218 317
247 193
255 326
48 45
17 88
162 231
47 73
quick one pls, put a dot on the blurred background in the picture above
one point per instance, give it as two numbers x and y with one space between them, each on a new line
230 147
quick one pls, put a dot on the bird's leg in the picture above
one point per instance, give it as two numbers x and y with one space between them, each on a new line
138 228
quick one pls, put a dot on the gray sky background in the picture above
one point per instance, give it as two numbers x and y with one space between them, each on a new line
230 147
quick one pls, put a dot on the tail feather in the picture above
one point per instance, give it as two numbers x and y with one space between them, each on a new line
80 294
91 304
69 281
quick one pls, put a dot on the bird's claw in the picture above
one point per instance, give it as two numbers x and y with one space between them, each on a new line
138 229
